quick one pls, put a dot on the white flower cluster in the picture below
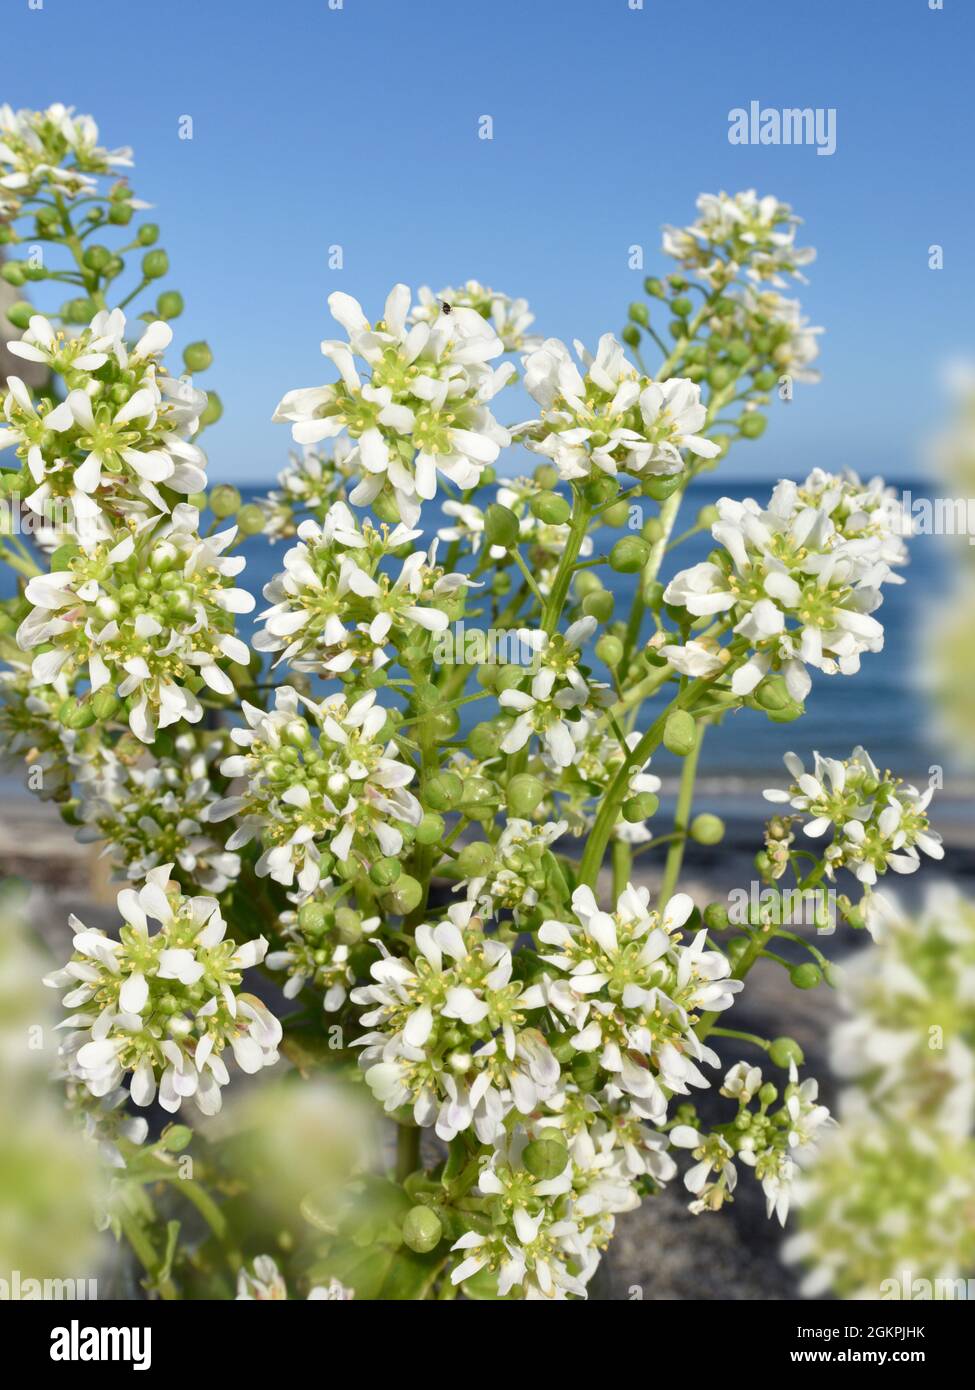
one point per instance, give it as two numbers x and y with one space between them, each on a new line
420 410
515 875
739 230
764 1139
316 789
612 418
121 434
151 623
313 954
335 607
509 318
52 147
799 580
880 822
155 810
161 1008
763 316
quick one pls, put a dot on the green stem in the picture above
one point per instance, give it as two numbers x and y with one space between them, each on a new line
682 816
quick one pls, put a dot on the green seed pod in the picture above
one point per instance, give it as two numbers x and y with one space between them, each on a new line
225 500
772 693
250 519
546 1156
663 486
550 507
806 976
629 555
484 739
148 234
169 305
348 923
155 264
385 872
653 595
443 791
640 807
765 379
682 306
610 650
105 704
639 313
197 356
601 489
655 287
524 793
707 829
752 425
587 583
599 605
707 517
618 514
785 1050
20 314
13 272
312 918
739 351
405 895
501 526
475 859
680 733
631 335
716 917
719 376
431 829
120 214
422 1229
546 476
652 530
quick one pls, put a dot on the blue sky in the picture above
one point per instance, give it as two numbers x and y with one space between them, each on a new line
358 126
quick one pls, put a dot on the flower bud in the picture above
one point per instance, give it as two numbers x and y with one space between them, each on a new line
639 313
707 517
105 704
601 489
629 554
422 1229
768 1094
707 829
587 583
631 335
617 514
148 234
655 287
546 476
20 314
806 976
680 733
752 425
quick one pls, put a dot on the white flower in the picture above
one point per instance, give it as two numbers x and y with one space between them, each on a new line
740 229
612 418
421 409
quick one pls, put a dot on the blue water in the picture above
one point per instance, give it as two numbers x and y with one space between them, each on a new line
883 707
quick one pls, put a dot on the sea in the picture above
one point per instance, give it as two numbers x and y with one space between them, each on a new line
885 707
